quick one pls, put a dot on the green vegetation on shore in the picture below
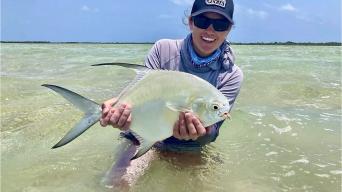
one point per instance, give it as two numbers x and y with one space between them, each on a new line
233 43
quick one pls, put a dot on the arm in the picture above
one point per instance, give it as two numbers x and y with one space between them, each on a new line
153 60
230 85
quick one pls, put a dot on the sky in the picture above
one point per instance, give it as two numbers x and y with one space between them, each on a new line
148 21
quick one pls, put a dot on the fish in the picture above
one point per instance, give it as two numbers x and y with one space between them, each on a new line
157 97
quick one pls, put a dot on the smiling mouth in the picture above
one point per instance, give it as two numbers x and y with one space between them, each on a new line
208 39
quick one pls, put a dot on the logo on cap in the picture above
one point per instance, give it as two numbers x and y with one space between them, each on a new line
221 3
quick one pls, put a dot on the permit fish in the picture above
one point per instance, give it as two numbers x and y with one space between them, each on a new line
157 97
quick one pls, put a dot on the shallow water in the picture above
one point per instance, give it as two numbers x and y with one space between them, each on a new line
285 132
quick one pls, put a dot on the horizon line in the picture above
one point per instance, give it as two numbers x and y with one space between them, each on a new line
236 43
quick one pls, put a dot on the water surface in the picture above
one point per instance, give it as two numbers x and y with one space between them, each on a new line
285 132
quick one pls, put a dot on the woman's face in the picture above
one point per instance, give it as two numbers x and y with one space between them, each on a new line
206 41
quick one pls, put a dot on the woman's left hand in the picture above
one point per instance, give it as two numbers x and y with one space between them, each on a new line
189 127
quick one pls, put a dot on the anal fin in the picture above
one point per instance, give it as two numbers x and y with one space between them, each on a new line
144 146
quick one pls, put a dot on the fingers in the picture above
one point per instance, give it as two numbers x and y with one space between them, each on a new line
188 127
106 107
201 130
118 116
128 122
182 127
179 129
124 115
191 127
121 117
106 114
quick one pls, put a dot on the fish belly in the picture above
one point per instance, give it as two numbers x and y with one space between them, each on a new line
153 121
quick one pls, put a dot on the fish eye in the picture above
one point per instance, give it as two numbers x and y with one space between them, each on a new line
215 107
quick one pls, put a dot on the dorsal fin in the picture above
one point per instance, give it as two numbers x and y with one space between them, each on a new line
127 65
140 71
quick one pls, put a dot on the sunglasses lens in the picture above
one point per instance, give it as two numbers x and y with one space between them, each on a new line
220 25
201 22
204 22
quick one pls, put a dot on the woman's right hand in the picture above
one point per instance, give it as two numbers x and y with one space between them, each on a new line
118 116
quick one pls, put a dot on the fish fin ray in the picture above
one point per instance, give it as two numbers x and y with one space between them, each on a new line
85 123
140 70
91 109
126 65
144 146
178 108
139 76
138 137
84 104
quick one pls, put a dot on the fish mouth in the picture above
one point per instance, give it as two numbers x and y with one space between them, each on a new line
225 115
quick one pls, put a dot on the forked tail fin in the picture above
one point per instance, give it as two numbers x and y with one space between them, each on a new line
92 113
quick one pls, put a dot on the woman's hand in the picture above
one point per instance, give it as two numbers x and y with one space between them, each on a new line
189 127
118 116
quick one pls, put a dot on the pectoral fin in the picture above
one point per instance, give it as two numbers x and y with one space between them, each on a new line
178 108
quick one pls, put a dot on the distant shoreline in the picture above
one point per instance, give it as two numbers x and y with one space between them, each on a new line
233 43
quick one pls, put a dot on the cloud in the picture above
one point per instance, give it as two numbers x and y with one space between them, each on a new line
288 7
249 12
183 2
85 8
257 13
88 9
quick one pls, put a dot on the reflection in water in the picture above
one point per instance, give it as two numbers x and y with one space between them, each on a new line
124 173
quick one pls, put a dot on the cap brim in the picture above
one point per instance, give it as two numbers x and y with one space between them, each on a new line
215 11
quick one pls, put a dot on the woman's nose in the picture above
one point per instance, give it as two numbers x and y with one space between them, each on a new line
210 28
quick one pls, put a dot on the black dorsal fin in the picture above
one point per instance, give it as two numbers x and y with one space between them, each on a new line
127 65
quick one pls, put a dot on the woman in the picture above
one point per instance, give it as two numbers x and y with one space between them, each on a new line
204 53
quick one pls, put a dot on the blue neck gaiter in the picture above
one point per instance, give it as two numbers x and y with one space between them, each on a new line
198 61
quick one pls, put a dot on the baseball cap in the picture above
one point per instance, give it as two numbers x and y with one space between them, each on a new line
223 7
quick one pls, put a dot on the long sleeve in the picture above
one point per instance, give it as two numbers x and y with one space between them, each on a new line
231 83
153 59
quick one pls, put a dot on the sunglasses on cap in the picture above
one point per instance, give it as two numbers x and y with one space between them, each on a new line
203 22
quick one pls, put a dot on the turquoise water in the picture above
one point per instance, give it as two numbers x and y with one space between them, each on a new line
285 132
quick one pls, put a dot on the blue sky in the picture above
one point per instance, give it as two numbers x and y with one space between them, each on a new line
148 21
